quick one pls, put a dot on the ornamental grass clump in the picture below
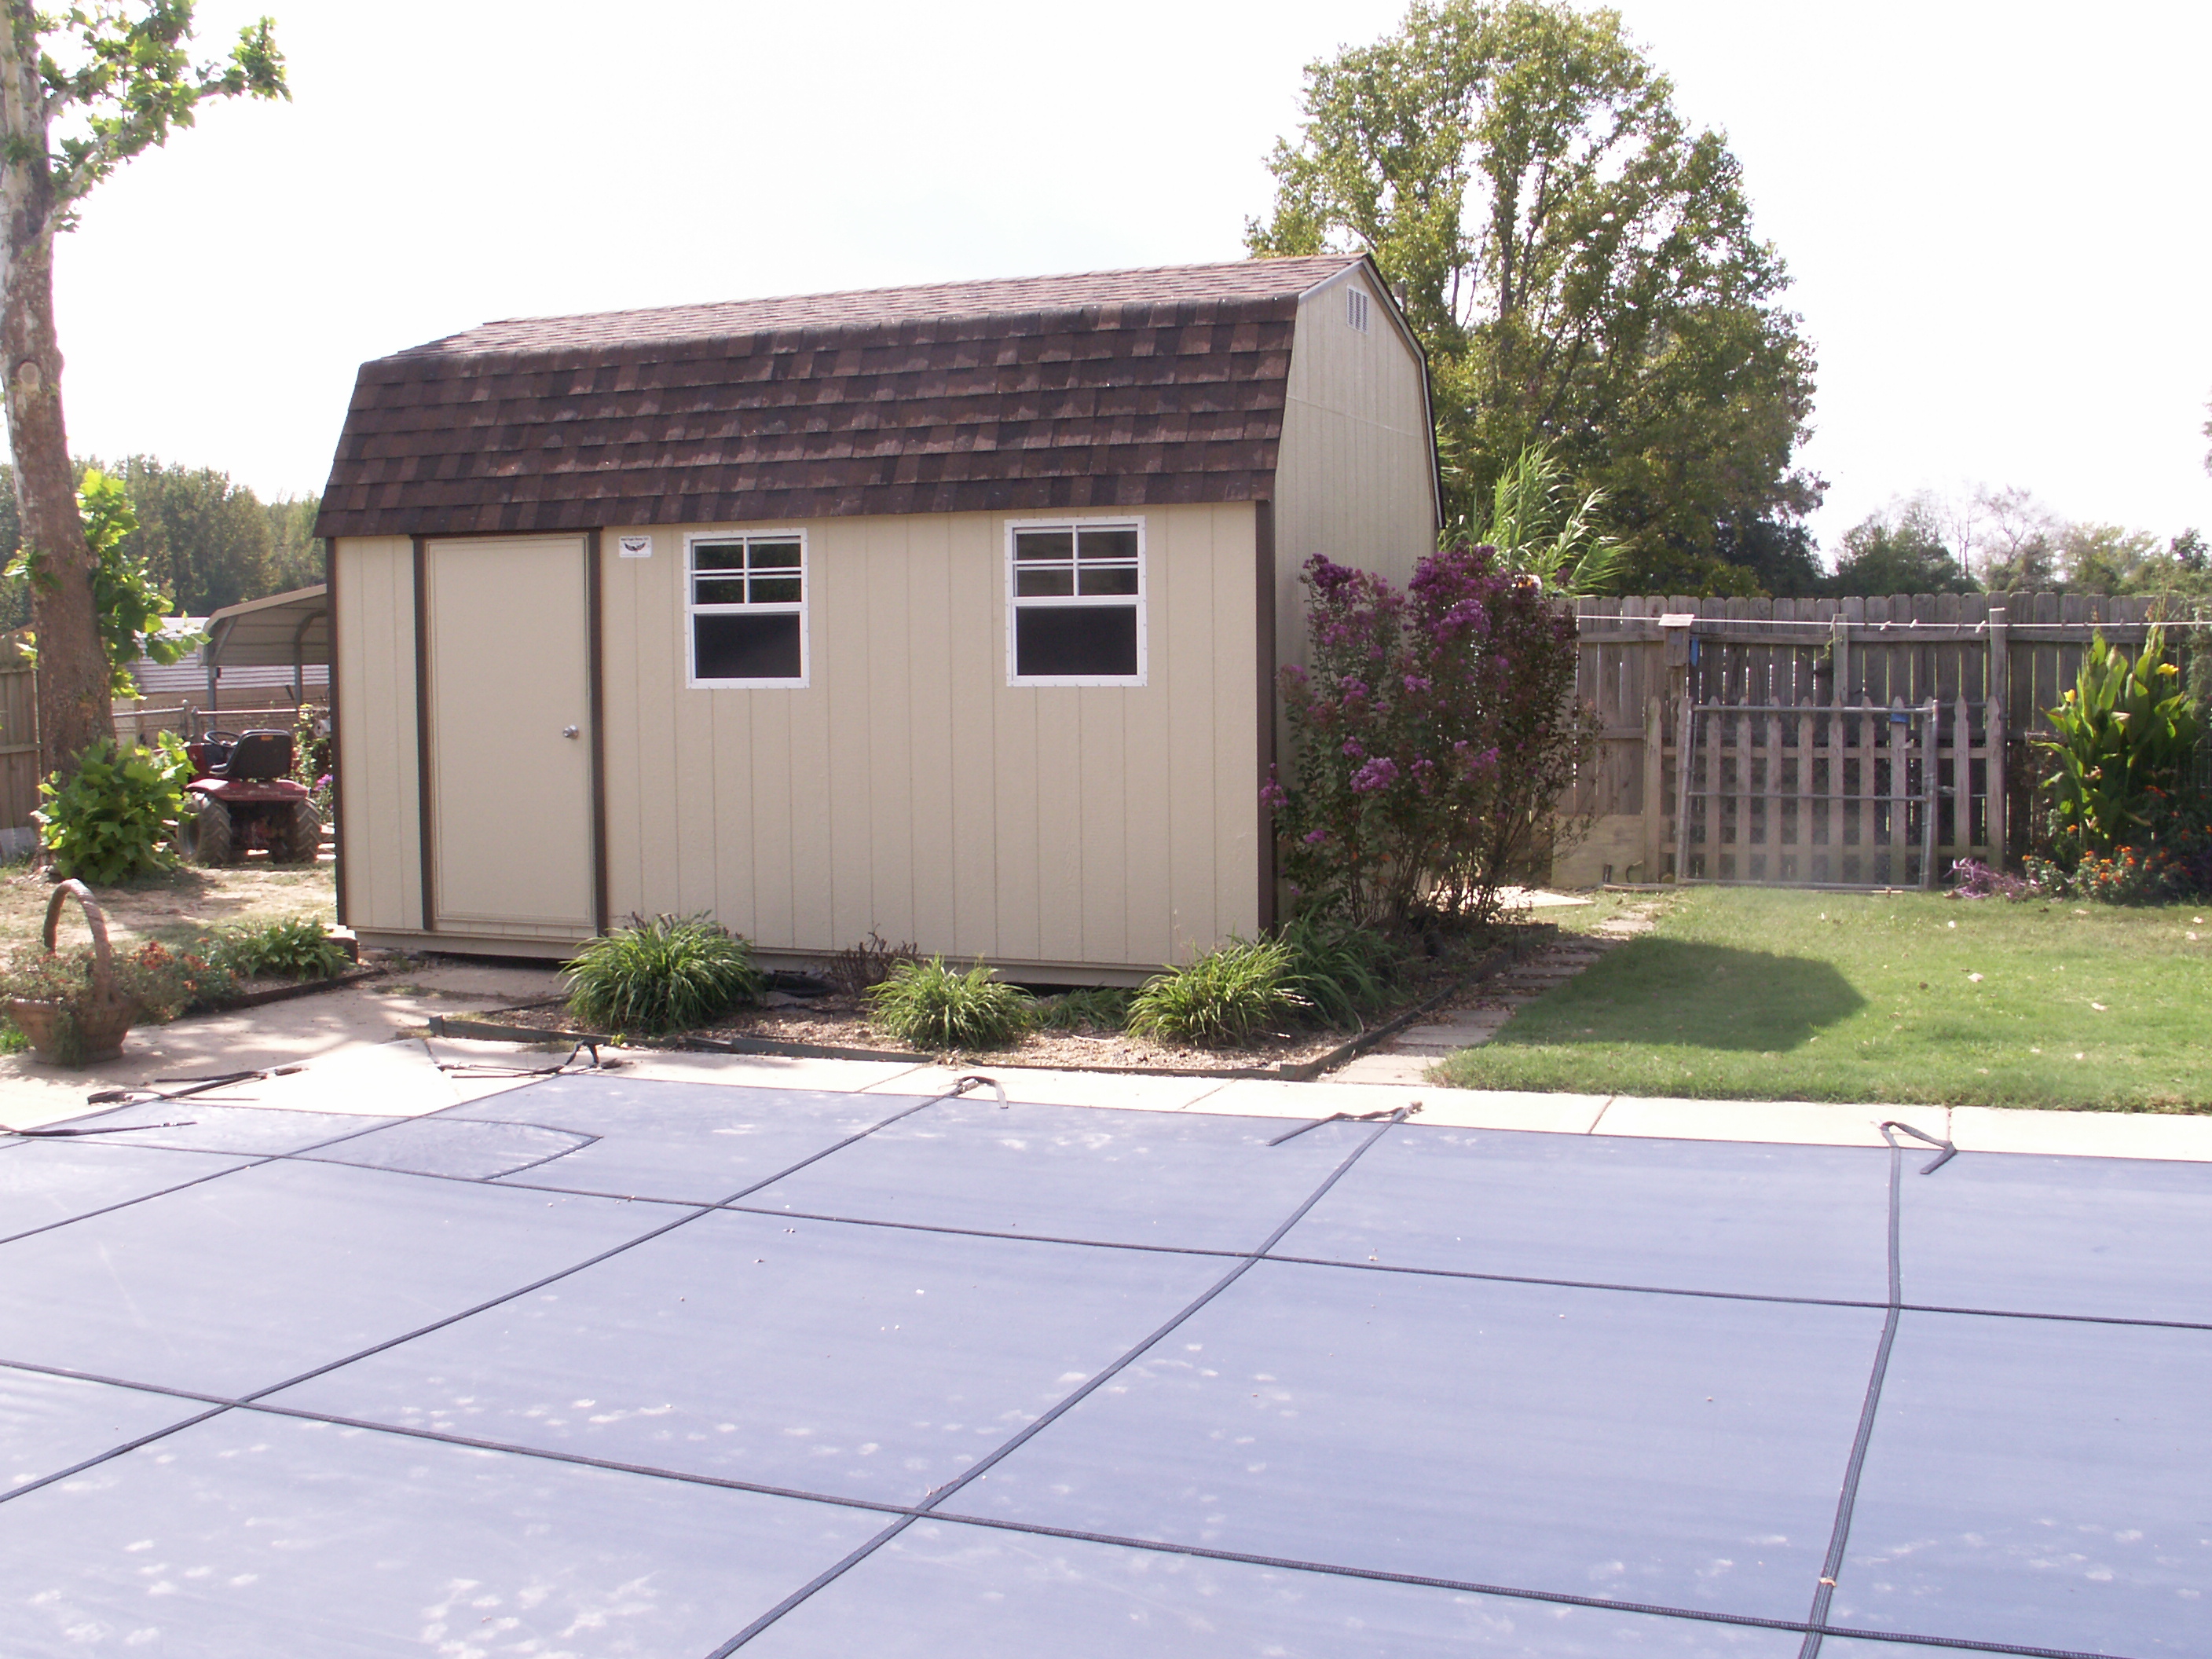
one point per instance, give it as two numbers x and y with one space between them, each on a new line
1224 999
1341 972
669 974
1438 732
932 1007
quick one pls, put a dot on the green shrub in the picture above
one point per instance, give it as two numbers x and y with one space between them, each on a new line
667 975
297 948
934 1007
1341 971
1225 997
1096 1008
116 817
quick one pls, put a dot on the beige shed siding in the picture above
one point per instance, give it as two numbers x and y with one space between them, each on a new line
908 788
378 819
1355 477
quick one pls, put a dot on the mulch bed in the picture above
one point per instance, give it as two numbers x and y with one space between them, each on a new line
835 1024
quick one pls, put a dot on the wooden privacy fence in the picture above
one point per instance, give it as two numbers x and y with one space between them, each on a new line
1854 743
19 744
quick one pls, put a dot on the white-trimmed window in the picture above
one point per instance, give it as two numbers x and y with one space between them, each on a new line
1075 602
745 608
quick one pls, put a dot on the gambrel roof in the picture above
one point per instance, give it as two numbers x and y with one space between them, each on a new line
1113 389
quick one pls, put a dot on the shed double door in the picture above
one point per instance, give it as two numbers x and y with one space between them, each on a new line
510 736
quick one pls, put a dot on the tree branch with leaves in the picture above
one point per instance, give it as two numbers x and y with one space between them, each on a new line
82 90
1580 264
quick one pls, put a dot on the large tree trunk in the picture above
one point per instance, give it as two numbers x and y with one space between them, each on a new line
73 708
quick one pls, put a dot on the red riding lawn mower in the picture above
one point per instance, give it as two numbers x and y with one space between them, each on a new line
241 797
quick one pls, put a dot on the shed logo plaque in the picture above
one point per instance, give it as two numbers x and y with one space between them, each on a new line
634 547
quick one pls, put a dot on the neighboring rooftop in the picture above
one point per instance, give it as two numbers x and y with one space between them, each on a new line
1109 389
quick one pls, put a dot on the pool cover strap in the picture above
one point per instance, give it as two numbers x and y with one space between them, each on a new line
488 1069
1832 1566
1395 1114
112 1129
196 1085
1947 1149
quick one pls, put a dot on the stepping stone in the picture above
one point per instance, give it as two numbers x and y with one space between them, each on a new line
1383 1068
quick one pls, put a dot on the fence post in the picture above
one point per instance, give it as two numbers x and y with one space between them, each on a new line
1929 717
1839 652
1655 787
2000 689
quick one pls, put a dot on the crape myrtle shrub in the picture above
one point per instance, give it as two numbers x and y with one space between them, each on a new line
1437 733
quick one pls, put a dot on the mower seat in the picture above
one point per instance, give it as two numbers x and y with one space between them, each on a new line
256 757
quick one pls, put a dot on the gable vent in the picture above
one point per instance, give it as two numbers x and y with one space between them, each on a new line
1355 301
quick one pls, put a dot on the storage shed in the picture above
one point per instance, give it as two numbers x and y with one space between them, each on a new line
951 613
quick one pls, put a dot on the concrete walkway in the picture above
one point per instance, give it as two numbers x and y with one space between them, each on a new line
324 1026
408 1077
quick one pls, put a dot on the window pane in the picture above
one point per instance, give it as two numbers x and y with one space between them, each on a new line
1109 579
1108 545
740 647
775 589
775 556
1078 642
719 556
1044 544
718 590
1043 584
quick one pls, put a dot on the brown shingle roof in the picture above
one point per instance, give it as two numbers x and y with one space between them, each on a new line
1112 389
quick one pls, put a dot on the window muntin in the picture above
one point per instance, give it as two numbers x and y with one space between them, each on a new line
745 609
1075 603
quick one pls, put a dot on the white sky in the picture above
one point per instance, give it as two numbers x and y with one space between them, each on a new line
1996 215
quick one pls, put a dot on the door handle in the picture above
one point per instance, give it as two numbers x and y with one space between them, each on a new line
568 731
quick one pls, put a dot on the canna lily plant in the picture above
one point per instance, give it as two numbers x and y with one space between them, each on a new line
2121 744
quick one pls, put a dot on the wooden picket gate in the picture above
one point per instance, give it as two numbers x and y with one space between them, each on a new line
1790 795
1789 712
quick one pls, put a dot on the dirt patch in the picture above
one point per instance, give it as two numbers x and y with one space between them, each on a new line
180 906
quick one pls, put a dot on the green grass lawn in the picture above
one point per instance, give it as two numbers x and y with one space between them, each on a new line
1750 995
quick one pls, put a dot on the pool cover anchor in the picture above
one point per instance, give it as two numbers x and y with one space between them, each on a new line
141 1094
1395 1114
960 1085
1946 1152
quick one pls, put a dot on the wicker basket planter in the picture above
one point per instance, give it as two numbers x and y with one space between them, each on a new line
88 1027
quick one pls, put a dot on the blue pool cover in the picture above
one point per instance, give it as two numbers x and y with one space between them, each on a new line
603 1367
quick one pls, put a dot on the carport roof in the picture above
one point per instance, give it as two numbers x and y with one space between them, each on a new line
1105 389
284 630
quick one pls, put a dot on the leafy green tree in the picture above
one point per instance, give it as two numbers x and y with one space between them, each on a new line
295 553
1580 266
2110 558
1902 550
129 604
205 539
82 91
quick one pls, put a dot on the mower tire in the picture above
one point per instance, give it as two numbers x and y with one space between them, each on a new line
297 835
209 836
